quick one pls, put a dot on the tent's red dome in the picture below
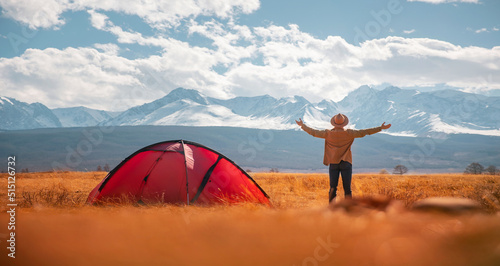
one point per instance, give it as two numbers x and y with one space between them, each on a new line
177 171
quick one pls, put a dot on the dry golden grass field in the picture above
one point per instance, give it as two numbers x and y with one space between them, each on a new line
55 227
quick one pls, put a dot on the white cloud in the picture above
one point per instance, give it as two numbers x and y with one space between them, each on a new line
415 62
159 14
481 30
228 52
296 63
169 13
97 77
68 77
108 48
35 13
98 20
409 31
280 61
446 1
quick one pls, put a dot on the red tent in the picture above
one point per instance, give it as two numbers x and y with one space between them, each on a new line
177 171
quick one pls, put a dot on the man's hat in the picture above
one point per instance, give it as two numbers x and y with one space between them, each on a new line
339 120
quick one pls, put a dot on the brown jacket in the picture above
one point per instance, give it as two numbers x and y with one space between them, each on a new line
338 142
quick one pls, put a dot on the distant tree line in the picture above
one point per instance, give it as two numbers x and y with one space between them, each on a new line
471 169
398 170
478 169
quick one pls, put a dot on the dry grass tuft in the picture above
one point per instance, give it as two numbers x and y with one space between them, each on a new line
56 195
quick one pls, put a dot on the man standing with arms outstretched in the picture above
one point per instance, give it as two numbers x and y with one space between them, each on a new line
338 154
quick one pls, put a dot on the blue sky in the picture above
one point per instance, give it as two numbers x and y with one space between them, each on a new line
85 52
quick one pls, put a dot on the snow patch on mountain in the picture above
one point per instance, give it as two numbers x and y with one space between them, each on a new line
400 134
2 99
416 113
82 116
214 115
439 126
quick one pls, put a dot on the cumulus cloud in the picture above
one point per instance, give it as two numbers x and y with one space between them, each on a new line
89 77
96 77
297 63
274 60
69 77
99 20
34 13
159 14
169 13
416 62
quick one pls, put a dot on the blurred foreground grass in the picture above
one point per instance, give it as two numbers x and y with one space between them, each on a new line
55 227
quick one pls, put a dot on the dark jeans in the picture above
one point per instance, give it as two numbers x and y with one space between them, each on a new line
344 168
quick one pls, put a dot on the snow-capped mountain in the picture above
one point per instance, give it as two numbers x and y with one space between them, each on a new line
17 115
421 113
190 108
82 116
20 115
411 113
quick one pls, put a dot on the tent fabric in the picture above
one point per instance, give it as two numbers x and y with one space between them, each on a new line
177 171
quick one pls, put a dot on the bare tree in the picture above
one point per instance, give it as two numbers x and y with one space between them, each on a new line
99 168
106 167
383 172
492 170
400 169
474 169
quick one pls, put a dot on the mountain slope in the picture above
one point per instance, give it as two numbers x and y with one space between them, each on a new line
81 116
20 115
190 108
414 113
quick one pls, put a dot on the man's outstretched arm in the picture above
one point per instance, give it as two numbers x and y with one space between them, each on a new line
369 131
311 131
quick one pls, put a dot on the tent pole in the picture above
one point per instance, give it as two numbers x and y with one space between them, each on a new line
185 167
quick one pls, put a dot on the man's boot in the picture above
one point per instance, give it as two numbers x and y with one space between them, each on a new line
331 195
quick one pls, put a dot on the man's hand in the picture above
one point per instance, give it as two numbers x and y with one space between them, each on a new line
384 126
300 123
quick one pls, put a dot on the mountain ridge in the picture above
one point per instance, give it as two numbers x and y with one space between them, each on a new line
412 113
